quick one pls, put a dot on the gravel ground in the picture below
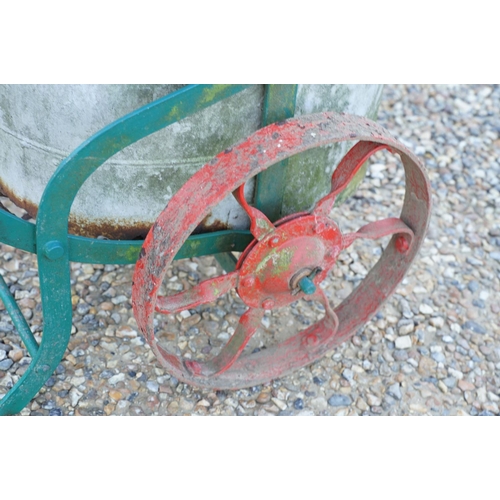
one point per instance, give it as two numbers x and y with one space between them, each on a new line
433 348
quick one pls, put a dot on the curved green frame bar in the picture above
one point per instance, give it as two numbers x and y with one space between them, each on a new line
55 247
21 234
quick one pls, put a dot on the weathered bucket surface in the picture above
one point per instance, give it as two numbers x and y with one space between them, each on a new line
42 124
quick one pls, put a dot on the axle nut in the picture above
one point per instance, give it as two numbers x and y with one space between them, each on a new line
307 286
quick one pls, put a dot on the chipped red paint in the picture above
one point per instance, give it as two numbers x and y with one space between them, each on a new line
380 228
207 291
260 225
305 244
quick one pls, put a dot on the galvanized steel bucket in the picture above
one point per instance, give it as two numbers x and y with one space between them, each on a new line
40 125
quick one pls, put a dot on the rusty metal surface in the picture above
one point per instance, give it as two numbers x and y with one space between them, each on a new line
40 125
122 199
266 270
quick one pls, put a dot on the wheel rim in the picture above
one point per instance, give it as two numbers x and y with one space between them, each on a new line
230 170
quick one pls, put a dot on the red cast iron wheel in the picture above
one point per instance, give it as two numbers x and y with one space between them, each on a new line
286 259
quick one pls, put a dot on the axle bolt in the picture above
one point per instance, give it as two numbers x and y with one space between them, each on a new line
307 286
402 245
268 304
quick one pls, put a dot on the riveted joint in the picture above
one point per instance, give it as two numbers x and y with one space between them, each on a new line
248 281
53 250
402 245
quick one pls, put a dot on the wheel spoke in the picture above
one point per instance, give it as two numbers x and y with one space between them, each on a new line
332 322
260 225
345 172
248 325
206 291
379 229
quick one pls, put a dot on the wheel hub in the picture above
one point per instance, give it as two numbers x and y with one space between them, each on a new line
303 248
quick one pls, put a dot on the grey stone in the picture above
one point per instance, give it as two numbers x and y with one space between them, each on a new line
75 396
395 391
373 400
339 400
437 322
406 329
82 309
152 386
119 300
426 309
6 327
6 364
475 327
438 356
318 404
400 355
474 261
116 318
403 342
450 382
120 377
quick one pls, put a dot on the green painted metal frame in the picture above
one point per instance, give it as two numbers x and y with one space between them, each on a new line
55 248
21 234
279 104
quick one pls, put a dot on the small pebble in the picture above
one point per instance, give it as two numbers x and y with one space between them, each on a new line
403 342
425 309
298 404
264 397
152 386
475 327
339 400
395 391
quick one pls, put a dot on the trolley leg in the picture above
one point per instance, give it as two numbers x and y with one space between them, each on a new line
41 368
57 313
